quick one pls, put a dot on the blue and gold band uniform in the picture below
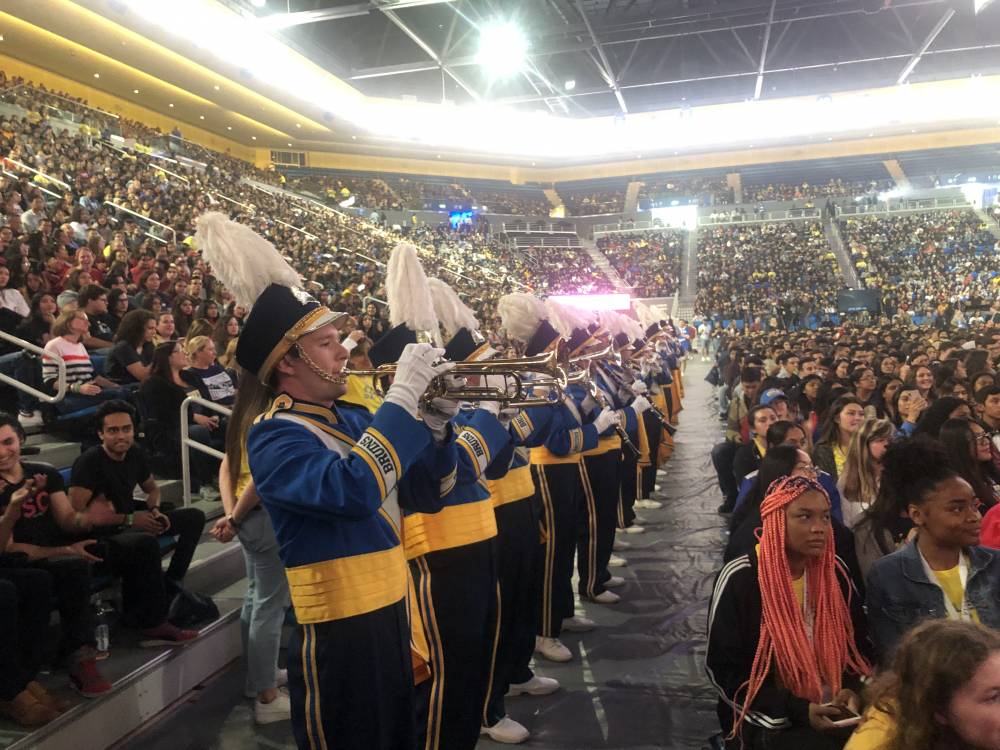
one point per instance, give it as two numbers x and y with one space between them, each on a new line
449 533
327 478
557 438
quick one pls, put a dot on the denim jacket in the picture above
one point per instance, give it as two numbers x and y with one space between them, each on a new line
899 595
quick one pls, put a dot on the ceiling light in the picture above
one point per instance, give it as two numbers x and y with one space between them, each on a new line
289 145
298 124
229 127
201 117
135 91
354 138
216 87
171 105
502 49
1 37
569 85
97 75
253 138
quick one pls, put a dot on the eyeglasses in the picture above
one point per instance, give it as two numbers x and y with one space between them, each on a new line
808 468
982 437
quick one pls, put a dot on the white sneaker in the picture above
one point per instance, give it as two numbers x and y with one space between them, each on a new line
663 472
656 487
280 709
648 504
639 521
280 681
34 419
506 731
578 624
633 529
617 562
535 686
606 597
620 544
614 582
552 649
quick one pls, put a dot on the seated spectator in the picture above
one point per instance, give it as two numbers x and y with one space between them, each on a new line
183 312
748 456
149 287
13 306
988 401
37 327
360 390
213 382
75 281
858 483
944 572
39 528
160 397
846 415
939 412
777 655
109 473
93 300
939 692
84 387
970 453
165 328
209 311
226 332
118 307
129 360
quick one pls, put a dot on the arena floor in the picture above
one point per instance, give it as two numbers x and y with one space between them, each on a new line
637 682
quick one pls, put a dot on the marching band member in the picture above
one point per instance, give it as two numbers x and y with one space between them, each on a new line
556 438
327 476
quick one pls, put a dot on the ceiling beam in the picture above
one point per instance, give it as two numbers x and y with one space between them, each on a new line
401 25
758 87
605 67
912 63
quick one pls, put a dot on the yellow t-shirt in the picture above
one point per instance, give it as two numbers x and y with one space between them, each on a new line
839 458
799 589
361 392
244 478
875 731
950 582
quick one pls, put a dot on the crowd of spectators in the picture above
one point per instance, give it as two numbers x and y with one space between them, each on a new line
582 202
650 263
747 271
369 193
925 262
861 465
657 190
835 188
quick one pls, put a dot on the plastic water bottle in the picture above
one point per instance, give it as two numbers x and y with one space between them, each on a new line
102 627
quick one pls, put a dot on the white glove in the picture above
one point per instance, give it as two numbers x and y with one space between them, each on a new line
640 404
437 414
589 404
607 418
639 387
506 416
493 407
414 372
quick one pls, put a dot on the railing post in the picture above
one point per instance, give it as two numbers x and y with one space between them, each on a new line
188 443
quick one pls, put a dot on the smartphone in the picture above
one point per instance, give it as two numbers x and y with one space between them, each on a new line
844 717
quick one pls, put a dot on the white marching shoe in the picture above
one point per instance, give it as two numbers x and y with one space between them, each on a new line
280 709
614 582
634 529
620 544
535 686
606 597
506 731
552 649
648 504
617 562
578 624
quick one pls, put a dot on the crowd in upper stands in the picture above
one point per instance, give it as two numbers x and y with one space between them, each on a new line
925 262
834 188
581 202
650 263
667 188
785 269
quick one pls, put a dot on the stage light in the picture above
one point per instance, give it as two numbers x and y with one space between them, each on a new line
594 302
502 49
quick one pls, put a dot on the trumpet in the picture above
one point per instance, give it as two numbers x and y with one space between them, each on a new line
547 372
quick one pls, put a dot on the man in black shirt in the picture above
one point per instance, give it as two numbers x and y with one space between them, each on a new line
109 473
93 300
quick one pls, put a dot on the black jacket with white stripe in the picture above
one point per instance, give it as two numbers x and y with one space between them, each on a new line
733 631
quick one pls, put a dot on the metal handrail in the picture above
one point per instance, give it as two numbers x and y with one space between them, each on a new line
247 206
188 442
369 298
904 206
139 216
48 177
61 385
64 99
768 217
34 187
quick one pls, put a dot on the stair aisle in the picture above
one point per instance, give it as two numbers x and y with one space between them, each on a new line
847 272
601 261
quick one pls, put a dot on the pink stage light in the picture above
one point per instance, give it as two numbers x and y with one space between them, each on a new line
595 302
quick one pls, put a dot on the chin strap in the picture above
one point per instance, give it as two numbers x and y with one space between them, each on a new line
338 378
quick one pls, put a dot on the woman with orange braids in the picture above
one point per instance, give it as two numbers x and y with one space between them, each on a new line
786 632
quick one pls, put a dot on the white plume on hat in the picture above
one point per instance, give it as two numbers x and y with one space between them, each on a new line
565 318
452 313
521 314
632 327
407 292
241 259
646 315
609 320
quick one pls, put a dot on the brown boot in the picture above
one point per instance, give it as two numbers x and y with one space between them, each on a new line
27 711
46 698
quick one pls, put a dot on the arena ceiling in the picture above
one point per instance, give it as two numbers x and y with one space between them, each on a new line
639 55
